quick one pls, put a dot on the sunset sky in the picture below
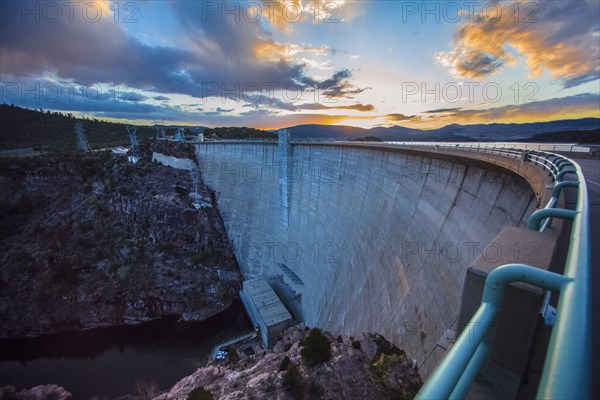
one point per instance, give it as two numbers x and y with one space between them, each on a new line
272 64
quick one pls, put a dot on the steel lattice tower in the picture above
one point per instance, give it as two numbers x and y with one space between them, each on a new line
135 146
82 143
160 129
179 135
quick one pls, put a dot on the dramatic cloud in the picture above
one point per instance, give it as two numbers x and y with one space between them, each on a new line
339 86
216 58
562 37
442 110
471 63
83 51
273 73
400 117
278 104
355 107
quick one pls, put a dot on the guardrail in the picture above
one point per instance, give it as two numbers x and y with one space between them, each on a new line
549 147
567 367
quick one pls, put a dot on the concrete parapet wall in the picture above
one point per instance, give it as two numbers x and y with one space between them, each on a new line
381 238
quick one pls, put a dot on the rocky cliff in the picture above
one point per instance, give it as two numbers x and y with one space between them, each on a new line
42 392
91 240
363 367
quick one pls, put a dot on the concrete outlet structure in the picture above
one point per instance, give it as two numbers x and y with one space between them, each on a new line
265 309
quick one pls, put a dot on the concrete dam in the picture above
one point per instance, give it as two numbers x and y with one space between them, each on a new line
358 238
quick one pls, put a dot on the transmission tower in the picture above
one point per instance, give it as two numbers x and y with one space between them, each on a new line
160 129
179 135
135 146
82 144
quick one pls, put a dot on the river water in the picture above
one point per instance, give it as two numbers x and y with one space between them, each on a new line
106 362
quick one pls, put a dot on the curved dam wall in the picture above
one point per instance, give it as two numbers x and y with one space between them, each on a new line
379 240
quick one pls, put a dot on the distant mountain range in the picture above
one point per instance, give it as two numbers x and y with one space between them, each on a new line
450 133
55 131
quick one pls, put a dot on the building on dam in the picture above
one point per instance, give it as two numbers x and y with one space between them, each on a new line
265 309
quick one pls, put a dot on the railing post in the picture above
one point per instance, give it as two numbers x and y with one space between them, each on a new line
564 172
536 218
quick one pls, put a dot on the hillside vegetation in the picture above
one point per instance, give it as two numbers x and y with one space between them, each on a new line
590 136
55 132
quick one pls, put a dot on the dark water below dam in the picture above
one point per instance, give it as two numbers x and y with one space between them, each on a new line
106 362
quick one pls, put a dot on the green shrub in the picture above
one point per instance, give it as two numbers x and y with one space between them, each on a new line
63 273
39 229
181 191
385 362
233 356
285 363
199 258
293 382
385 347
125 191
200 394
167 247
145 390
314 390
287 347
315 348
356 344
224 292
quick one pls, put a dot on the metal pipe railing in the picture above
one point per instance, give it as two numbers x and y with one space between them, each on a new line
453 377
567 367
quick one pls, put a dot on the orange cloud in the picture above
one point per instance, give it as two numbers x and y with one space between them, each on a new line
557 36
271 51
